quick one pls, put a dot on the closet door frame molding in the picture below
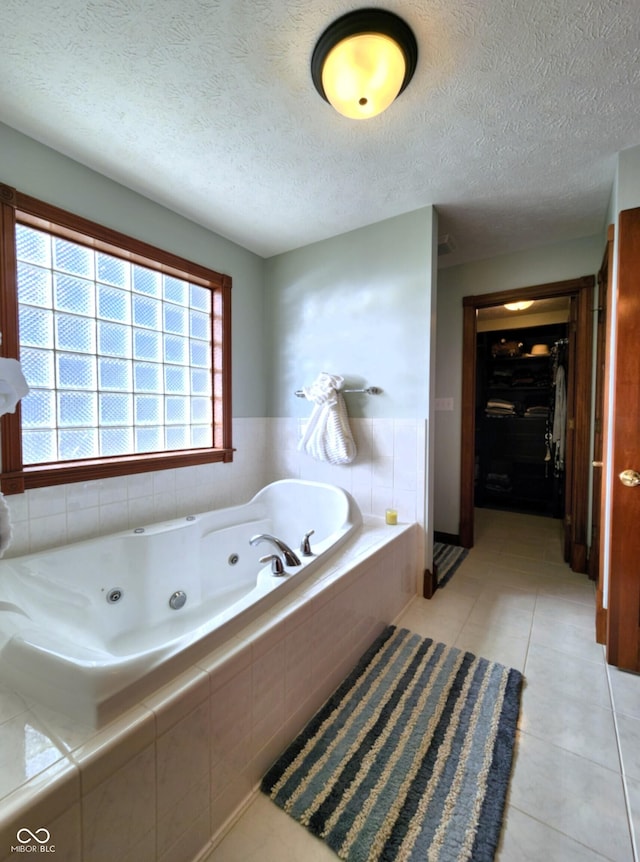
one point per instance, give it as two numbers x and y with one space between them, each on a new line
578 461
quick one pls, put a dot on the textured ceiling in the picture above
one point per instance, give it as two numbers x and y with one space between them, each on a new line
510 125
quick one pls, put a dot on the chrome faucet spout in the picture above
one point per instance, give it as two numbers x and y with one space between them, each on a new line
290 557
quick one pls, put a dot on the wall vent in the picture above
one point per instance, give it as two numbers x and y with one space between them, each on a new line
445 244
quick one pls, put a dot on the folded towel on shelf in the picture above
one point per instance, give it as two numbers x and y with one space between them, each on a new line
327 436
499 407
523 380
501 404
499 480
537 410
498 489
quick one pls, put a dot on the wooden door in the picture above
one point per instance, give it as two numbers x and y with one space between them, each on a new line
601 401
623 628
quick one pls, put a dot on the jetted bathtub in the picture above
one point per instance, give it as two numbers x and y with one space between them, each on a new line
90 628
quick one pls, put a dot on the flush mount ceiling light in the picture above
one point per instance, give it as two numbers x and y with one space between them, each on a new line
519 306
363 61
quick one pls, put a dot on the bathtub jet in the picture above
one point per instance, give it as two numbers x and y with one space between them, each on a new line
183 588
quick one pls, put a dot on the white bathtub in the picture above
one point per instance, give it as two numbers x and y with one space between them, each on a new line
88 629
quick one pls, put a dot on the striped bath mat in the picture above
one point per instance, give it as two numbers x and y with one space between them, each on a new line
409 759
447 558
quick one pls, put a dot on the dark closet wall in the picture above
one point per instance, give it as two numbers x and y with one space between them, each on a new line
517 463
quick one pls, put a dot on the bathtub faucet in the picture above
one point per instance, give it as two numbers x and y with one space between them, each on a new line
290 558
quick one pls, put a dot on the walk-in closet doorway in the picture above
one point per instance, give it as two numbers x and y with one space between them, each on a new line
521 374
578 293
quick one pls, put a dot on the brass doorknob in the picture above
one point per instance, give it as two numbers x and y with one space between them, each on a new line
630 478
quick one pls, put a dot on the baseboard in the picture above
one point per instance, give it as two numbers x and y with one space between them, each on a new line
446 538
579 559
601 620
430 582
227 826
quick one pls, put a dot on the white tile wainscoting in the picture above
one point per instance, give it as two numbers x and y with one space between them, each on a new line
389 470
48 517
161 782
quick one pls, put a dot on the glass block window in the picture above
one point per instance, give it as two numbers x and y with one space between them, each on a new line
118 356
126 349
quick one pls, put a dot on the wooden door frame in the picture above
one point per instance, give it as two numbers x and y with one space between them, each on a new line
580 293
600 434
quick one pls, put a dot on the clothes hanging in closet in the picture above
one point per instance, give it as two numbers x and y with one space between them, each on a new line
558 433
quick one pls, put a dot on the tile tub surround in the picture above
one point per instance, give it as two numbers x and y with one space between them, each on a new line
388 470
159 783
60 514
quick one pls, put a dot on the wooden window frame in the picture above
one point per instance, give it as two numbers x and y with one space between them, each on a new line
15 478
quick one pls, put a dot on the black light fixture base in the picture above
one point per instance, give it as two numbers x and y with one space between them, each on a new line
365 21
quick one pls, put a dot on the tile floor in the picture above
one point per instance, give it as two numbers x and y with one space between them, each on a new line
575 788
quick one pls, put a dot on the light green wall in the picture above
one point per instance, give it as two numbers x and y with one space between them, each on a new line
535 266
41 172
627 185
358 305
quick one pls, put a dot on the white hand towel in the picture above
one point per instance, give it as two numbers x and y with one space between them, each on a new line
13 386
327 436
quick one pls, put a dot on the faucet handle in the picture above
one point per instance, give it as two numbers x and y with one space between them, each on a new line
277 567
305 545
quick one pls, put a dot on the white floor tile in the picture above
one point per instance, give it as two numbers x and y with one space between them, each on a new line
429 625
574 613
625 688
265 832
556 633
525 839
494 644
567 676
633 789
566 723
572 795
629 730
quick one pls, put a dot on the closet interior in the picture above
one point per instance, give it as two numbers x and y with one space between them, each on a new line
522 374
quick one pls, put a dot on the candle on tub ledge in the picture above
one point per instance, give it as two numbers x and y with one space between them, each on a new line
391 516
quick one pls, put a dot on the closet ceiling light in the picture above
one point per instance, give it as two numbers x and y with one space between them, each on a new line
363 61
519 306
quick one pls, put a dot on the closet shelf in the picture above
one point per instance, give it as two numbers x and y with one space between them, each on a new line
497 388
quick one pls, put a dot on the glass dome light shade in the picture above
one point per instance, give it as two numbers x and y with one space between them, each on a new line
363 61
363 74
519 306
